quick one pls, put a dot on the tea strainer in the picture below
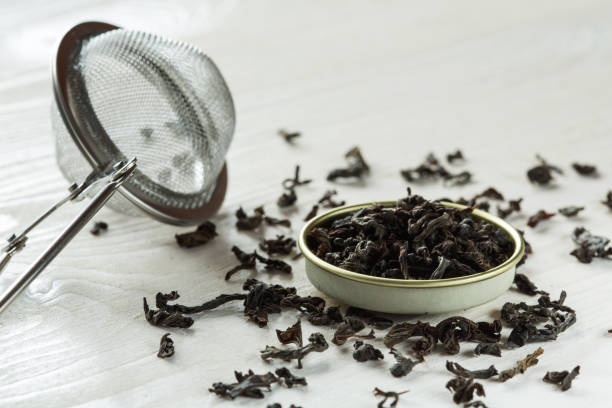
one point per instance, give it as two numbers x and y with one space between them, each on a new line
122 95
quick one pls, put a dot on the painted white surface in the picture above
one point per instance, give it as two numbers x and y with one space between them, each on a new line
400 79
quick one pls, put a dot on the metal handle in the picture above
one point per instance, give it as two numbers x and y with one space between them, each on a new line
116 179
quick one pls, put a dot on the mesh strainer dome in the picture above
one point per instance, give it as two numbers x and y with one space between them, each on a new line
123 94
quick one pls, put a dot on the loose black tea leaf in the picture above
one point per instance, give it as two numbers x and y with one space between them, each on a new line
347 329
312 213
276 221
608 200
392 395
457 155
248 385
492 349
162 299
456 329
162 318
491 193
305 304
357 167
166 346
526 286
539 216
463 389
521 365
328 202
403 365
289 379
585 169
589 246
288 136
275 265
458 179
542 173
428 337
281 245
316 342
412 240
290 197
562 378
263 299
570 211
431 169
513 206
526 318
247 261
365 352
293 334
249 223
99 227
330 316
459 371
204 233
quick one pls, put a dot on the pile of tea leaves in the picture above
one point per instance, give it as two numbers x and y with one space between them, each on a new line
415 239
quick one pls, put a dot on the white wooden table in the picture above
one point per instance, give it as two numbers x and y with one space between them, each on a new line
399 79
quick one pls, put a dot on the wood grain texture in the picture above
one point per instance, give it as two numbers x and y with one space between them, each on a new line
399 79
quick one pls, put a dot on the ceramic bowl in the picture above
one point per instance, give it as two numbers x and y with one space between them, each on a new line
409 296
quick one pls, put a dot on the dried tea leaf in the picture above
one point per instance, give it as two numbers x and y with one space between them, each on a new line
99 227
459 371
463 389
204 233
388 395
293 334
513 206
539 216
288 378
526 286
327 200
608 201
288 136
542 173
357 167
403 365
589 245
248 385
312 213
316 342
585 169
562 378
570 211
162 318
281 245
166 346
365 352
457 155
492 349
521 365
249 223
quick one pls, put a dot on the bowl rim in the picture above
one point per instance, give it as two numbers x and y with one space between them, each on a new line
510 263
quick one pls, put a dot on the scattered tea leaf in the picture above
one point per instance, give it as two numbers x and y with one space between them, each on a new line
312 213
589 246
585 169
99 227
288 378
327 200
248 385
542 173
521 365
162 318
459 371
204 233
166 346
281 245
457 155
562 378
288 136
365 352
403 365
293 334
608 201
388 395
316 342
526 286
357 167
463 389
492 349
513 206
570 211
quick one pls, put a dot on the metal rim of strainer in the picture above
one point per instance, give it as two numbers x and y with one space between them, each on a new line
78 131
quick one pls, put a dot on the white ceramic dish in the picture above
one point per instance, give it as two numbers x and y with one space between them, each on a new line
409 296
